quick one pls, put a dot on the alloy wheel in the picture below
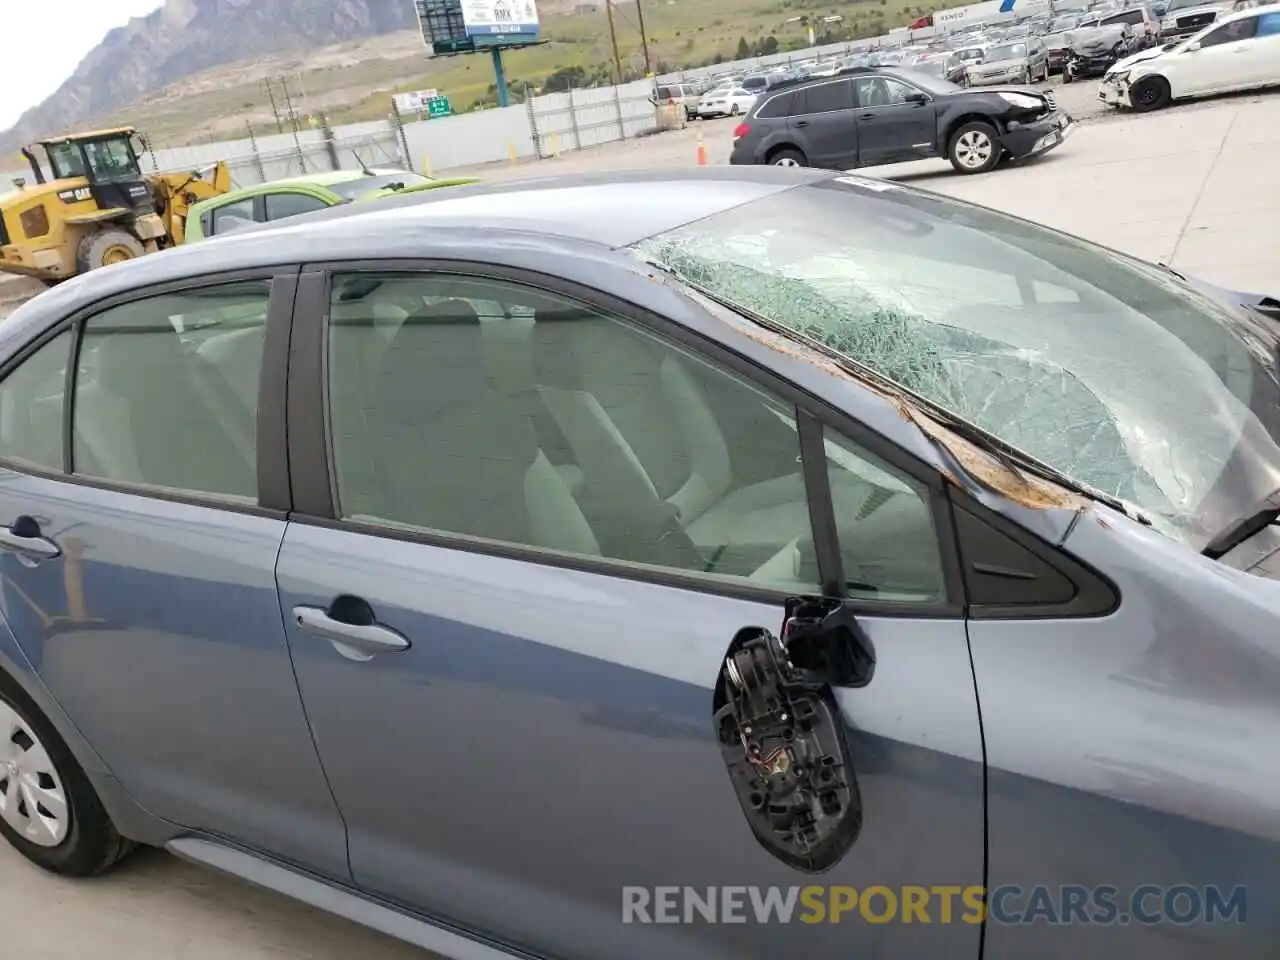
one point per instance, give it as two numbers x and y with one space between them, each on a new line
786 162
33 800
973 149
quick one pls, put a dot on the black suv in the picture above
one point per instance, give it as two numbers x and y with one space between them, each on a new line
872 115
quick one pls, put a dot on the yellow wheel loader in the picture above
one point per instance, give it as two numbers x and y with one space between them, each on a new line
94 206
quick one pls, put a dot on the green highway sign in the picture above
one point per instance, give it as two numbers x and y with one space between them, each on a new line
438 107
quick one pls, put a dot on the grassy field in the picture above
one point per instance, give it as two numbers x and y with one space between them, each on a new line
352 82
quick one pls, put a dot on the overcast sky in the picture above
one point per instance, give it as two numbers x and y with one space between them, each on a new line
44 40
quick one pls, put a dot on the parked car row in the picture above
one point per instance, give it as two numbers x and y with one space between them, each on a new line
1238 51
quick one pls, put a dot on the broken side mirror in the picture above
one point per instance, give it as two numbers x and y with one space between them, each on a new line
782 734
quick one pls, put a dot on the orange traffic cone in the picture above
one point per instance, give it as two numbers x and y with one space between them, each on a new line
702 151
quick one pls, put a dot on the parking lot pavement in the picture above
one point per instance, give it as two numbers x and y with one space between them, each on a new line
1196 186
156 907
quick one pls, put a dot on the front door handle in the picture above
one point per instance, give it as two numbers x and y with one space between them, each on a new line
802 123
867 116
25 539
355 641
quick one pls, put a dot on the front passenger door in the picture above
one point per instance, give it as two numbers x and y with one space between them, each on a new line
1224 60
896 121
508 628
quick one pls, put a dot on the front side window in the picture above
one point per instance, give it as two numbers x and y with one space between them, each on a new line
882 91
1112 371
488 410
231 217
1269 25
166 392
282 205
31 405
1236 30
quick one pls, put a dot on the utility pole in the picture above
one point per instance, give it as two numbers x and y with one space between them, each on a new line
644 39
274 108
613 39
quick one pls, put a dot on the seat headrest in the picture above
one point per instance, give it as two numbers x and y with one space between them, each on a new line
439 346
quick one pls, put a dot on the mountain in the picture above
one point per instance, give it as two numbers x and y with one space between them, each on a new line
185 37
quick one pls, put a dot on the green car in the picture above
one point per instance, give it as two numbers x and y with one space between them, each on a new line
297 195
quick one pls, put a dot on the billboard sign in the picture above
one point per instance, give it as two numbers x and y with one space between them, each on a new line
463 26
415 101
486 20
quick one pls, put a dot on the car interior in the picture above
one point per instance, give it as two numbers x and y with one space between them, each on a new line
553 426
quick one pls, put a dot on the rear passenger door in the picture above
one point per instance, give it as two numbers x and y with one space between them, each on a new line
525 533
143 486
825 126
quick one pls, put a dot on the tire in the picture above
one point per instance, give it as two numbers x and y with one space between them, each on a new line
974 147
1150 93
1026 77
1066 75
81 843
788 157
734 111
106 247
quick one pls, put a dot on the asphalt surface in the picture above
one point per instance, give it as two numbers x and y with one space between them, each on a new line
1197 186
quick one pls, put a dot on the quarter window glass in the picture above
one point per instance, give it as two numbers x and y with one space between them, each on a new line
167 391
881 91
1269 25
489 410
827 97
31 403
888 543
281 205
233 216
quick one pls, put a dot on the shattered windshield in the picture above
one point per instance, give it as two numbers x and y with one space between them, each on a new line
1110 371
1010 51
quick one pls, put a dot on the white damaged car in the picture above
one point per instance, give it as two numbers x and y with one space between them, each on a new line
1240 51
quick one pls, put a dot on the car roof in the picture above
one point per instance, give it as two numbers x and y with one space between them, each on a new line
640 204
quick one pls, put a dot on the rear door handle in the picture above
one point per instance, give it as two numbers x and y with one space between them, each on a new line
802 123
24 538
355 641
867 116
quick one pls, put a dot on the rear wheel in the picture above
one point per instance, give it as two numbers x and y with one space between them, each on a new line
734 111
788 158
106 247
975 147
49 811
1150 93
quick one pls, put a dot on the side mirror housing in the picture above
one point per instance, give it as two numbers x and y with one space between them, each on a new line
916 97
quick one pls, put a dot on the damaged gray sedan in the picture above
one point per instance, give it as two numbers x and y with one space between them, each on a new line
736 563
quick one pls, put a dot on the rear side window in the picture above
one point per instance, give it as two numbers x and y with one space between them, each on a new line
782 105
827 97
1269 25
166 392
1129 16
281 205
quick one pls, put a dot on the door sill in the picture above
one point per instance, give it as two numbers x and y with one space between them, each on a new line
340 901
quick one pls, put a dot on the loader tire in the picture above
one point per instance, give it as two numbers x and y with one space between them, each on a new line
106 247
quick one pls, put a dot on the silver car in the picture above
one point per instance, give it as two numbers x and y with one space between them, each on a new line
735 563
1022 61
